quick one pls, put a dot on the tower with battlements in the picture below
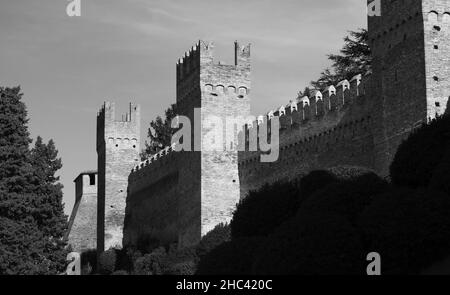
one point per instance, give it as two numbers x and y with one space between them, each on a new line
118 147
177 197
221 93
410 44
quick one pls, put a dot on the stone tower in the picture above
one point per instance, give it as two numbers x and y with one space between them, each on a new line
118 152
82 233
410 44
220 93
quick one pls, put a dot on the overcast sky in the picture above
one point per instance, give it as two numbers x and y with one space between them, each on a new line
126 50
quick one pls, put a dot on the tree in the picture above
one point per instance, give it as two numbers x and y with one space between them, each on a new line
354 58
262 211
160 133
45 163
431 142
314 243
410 228
15 170
30 197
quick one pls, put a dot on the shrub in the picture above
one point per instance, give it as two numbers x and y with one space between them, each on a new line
220 234
263 210
346 198
120 273
409 228
184 268
440 179
311 244
320 179
151 264
314 181
107 262
420 154
230 258
89 262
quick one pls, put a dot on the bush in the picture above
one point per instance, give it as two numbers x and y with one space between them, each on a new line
440 179
263 210
120 273
89 262
230 258
220 234
107 262
317 243
182 269
151 264
346 198
409 228
314 181
420 154
320 179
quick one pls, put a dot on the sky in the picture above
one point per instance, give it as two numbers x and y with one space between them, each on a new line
126 51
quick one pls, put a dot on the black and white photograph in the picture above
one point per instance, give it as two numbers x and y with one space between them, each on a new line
252 139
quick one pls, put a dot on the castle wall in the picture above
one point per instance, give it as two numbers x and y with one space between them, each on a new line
81 234
410 79
202 185
326 137
118 146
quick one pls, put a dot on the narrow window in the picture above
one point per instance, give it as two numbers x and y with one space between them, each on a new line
91 179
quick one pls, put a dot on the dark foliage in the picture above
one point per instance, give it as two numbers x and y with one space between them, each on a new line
151 264
346 198
230 258
89 262
107 262
30 194
314 181
160 133
120 273
409 228
440 179
263 210
420 154
220 234
315 243
15 167
186 268
22 249
354 58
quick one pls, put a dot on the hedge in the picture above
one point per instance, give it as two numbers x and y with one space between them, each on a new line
317 243
409 228
263 210
230 258
421 153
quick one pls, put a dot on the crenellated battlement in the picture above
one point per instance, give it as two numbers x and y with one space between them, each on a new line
321 107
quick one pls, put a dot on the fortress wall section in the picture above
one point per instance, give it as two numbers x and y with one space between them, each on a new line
82 233
152 202
335 136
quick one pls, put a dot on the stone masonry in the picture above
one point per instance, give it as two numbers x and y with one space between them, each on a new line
177 197
82 233
118 147
201 188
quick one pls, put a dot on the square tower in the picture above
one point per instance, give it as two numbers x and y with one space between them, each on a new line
411 73
216 99
118 147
